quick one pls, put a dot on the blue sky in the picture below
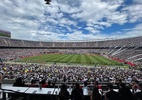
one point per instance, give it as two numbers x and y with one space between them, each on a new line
71 19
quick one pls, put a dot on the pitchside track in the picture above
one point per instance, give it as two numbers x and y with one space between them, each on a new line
70 59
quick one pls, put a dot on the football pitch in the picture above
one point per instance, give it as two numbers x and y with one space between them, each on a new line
70 59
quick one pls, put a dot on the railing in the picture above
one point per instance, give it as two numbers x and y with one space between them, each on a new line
32 93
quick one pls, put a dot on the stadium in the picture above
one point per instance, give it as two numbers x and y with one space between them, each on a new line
36 57
65 67
126 51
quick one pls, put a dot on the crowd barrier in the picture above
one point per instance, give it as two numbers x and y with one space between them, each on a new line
8 81
36 93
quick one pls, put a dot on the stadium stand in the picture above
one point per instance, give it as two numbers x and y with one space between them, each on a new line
127 51
120 48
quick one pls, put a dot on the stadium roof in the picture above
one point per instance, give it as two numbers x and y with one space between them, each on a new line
71 19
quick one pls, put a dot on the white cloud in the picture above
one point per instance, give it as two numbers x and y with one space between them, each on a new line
96 10
126 33
67 19
52 20
136 31
92 30
137 1
134 12
93 12
119 18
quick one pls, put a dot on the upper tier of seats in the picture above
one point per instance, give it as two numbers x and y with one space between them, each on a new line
127 42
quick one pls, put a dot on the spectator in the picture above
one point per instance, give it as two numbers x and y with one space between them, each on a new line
85 88
49 84
125 93
97 85
138 95
33 83
19 82
135 86
111 94
63 94
77 93
43 83
1 78
118 83
53 85
95 94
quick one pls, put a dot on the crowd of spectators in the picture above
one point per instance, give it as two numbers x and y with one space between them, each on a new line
15 54
78 92
123 93
48 76
69 73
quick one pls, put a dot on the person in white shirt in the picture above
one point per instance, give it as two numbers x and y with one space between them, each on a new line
85 88
129 79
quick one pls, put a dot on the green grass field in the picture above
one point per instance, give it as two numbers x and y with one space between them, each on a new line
5 35
70 59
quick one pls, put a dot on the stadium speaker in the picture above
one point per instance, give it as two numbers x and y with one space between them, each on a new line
47 2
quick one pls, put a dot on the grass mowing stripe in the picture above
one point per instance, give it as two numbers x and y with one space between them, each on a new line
69 59
65 58
78 59
45 59
53 58
105 60
31 59
42 59
60 58
112 61
88 61
93 59
37 58
101 60
73 60
83 60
